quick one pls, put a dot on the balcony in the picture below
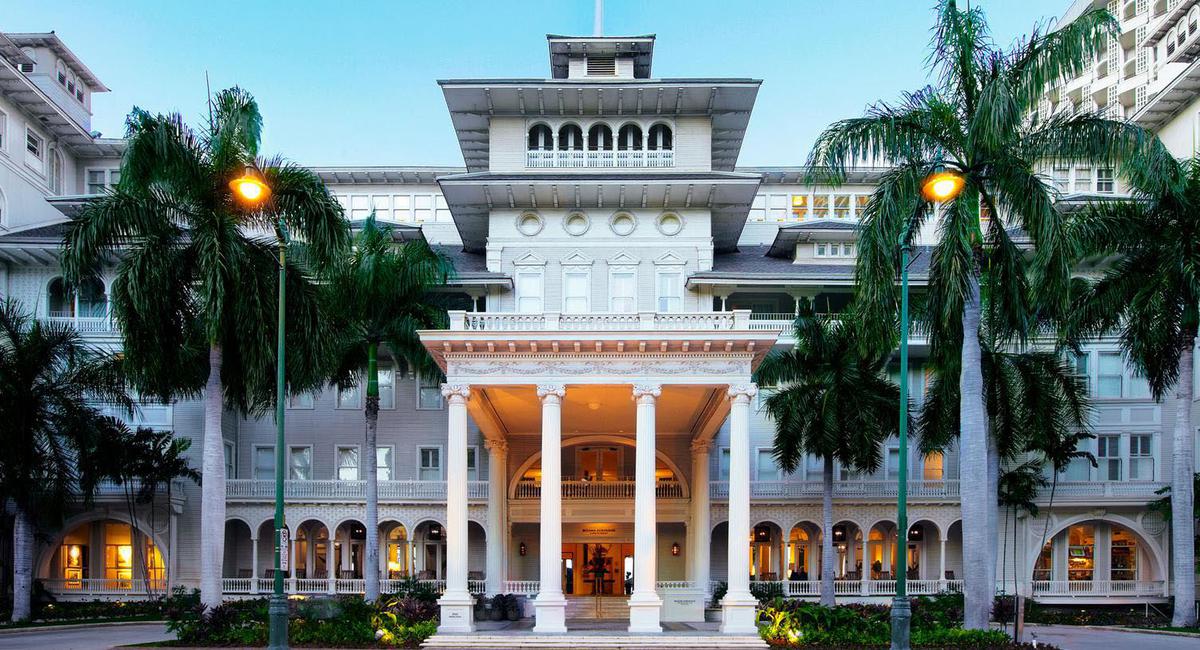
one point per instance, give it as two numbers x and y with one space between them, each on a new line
462 321
599 490
96 588
574 159
1086 588
82 324
864 489
335 491
1105 490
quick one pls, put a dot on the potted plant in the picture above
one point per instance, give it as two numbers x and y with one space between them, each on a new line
512 608
482 604
498 604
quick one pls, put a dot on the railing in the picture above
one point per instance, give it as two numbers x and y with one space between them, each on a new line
1104 489
335 490
249 586
582 159
82 324
1097 588
786 323
600 490
674 585
858 489
812 588
554 321
522 587
102 587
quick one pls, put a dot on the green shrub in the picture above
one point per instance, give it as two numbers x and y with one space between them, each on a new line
960 638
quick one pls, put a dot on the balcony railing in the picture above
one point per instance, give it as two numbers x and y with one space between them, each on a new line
1105 489
82 324
786 324
600 490
574 159
251 586
346 491
101 587
594 322
855 489
1069 588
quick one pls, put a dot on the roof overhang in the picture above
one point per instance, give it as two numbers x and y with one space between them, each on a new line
383 175
1168 102
784 246
720 278
13 52
473 102
804 175
18 89
60 49
1162 25
472 196
562 48
72 205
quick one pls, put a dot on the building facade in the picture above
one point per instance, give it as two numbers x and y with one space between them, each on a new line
598 433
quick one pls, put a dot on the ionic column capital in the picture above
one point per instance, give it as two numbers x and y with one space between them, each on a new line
551 393
496 445
701 447
456 392
646 393
742 393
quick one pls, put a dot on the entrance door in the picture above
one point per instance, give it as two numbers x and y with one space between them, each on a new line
599 463
598 569
568 572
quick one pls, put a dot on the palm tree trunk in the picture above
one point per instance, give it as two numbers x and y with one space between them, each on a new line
827 556
1183 522
993 511
22 565
973 462
371 567
212 501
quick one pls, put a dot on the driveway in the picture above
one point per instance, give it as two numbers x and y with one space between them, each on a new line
90 637
1070 637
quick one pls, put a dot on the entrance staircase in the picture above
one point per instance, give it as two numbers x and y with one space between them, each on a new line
595 641
604 607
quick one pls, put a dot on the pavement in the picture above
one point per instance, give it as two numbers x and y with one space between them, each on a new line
84 637
1071 637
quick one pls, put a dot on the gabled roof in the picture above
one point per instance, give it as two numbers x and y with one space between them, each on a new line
52 41
825 229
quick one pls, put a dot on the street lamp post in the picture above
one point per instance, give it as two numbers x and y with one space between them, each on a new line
252 190
938 188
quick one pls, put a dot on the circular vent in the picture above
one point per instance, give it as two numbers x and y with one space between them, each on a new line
623 223
670 224
576 223
529 223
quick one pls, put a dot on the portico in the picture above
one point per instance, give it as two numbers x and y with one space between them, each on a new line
673 381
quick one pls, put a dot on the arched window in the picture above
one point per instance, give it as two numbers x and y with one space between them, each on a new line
1193 19
570 136
56 172
89 301
660 138
541 138
3 212
629 138
93 302
600 138
60 299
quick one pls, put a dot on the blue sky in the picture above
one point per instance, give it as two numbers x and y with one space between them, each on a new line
353 83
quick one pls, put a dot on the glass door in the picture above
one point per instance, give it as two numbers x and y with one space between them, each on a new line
599 463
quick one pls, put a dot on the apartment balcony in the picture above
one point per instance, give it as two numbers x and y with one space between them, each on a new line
578 159
336 491
599 490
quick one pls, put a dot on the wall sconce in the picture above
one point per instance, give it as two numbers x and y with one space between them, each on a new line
523 549
675 548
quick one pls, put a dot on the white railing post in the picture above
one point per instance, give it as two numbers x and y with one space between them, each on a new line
741 319
458 320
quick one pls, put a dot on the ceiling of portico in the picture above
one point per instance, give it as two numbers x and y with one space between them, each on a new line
600 409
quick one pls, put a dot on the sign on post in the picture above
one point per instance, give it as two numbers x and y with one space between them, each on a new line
284 547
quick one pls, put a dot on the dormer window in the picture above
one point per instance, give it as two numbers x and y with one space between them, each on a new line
601 66
824 250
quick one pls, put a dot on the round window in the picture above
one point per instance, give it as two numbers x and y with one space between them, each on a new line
576 223
670 224
529 223
623 223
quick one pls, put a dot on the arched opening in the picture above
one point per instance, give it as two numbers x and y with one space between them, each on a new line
804 551
429 561
881 551
60 299
350 549
397 551
1096 556
476 552
629 138
105 556
598 466
570 138
56 172
922 550
660 138
541 138
848 552
64 301
766 552
600 138
312 551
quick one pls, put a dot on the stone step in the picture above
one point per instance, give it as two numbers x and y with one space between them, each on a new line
593 641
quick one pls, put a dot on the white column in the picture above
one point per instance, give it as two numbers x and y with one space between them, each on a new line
941 576
645 607
496 540
456 603
700 558
550 605
254 563
738 606
330 564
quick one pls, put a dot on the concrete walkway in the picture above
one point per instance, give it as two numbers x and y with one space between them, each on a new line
85 637
1070 637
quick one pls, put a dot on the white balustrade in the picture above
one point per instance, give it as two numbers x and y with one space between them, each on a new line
599 322
349 491
1105 489
858 489
103 586
574 489
576 159
82 324
521 587
1071 588
674 585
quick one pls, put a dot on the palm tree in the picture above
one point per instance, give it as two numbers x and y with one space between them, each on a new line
380 296
1150 297
49 379
196 290
835 403
975 122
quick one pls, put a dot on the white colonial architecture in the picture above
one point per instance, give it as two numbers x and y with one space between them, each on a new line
598 446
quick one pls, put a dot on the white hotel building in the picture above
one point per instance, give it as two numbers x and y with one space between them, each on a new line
620 278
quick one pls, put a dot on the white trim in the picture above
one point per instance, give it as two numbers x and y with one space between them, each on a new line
230 449
587 222
337 448
473 450
292 405
612 222
441 462
658 222
779 473
577 268
614 268
337 397
391 387
108 172
541 222
533 271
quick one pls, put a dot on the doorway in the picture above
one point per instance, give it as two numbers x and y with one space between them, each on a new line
599 463
598 569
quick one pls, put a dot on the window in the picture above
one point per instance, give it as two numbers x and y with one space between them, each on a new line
1104 180
623 223
541 138
429 393
347 463
629 138
1079 364
576 224
766 469
570 136
529 223
472 464
723 464
1083 179
1112 371
34 144
600 138
429 466
860 204
1122 555
820 206
1081 548
758 208
300 401
230 459
1138 385
383 463
100 180
387 388
622 281
300 463
576 290
1141 458
670 291
660 137
264 463
1061 177
841 206
799 206
843 250
893 463
424 208
1108 455
529 291
777 207
670 224
55 182
349 397
935 467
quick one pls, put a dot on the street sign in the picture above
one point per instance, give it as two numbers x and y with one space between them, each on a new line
283 549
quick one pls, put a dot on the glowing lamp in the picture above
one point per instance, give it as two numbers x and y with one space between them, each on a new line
250 187
523 549
675 549
942 187
125 555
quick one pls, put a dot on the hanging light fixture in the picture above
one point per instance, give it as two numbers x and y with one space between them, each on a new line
942 186
250 187
523 549
675 548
